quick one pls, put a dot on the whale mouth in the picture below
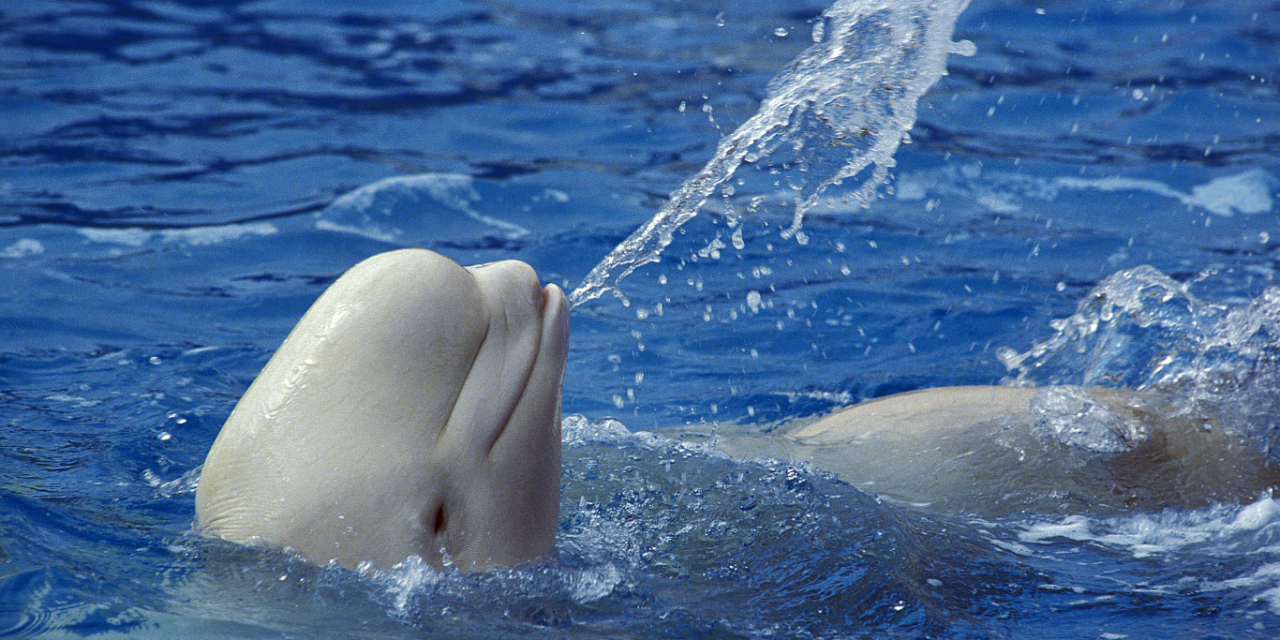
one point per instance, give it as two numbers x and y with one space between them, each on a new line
527 329
506 420
547 303
514 274
555 314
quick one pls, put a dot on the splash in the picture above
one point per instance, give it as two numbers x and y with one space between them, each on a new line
1141 329
839 112
1166 533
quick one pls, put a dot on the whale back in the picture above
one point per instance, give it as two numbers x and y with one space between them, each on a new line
991 451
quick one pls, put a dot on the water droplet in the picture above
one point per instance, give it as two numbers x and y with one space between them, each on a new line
781 32
964 48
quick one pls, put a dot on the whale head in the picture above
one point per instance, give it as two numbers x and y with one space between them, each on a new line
414 410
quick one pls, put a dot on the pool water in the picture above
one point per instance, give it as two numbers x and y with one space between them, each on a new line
1088 199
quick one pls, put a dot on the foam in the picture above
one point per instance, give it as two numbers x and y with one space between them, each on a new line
137 237
369 211
1219 530
1145 535
1246 193
22 248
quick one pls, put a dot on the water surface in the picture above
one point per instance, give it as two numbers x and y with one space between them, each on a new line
1089 199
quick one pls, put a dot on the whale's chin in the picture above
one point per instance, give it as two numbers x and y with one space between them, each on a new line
414 410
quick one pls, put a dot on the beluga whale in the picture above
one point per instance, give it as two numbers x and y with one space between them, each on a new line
993 451
413 411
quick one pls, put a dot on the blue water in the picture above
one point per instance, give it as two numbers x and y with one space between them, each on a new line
1089 199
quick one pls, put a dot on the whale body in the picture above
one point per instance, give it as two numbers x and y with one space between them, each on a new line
414 410
990 451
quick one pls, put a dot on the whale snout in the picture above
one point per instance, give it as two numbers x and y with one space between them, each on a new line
521 291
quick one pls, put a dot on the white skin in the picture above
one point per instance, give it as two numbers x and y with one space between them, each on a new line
414 410
990 451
